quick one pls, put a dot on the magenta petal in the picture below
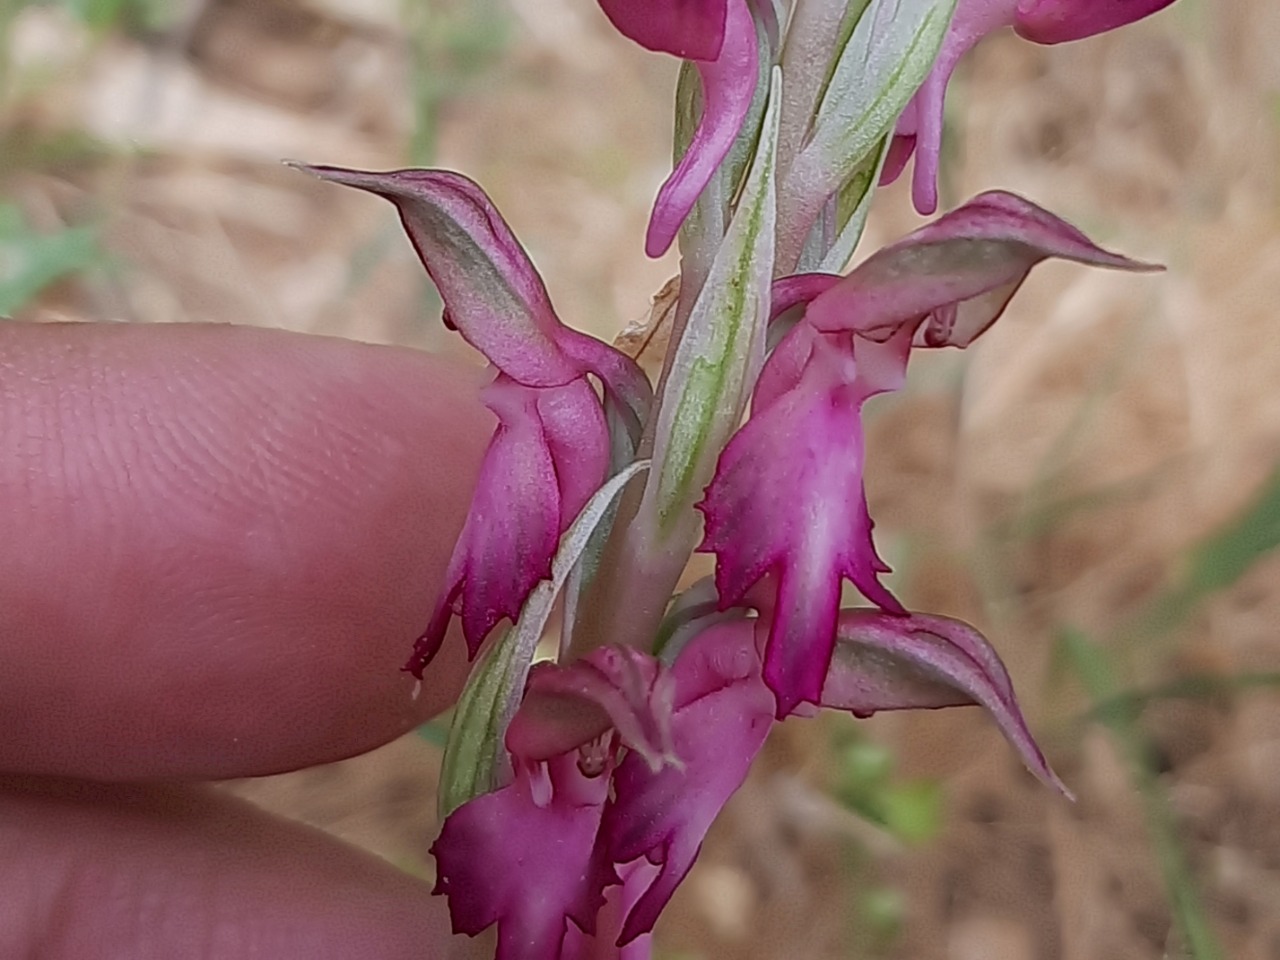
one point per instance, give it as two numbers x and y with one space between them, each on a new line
577 438
787 500
723 714
623 380
1057 21
525 857
511 530
797 289
1043 21
789 358
636 878
785 367
959 272
921 124
885 662
901 146
693 29
548 455
728 86
568 705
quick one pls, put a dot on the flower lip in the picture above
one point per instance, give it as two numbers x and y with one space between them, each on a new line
723 714
787 506
547 457
535 836
493 563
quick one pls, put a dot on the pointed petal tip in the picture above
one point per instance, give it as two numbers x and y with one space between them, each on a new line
924 185
345 176
366 180
1064 21
1020 218
431 639
923 661
786 703
1054 782
661 233
416 665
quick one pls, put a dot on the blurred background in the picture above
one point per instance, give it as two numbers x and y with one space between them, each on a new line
1095 484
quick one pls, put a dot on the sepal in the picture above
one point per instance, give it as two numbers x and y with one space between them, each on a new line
885 662
957 273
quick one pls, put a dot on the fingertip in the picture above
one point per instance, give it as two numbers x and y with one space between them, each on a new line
220 545
102 872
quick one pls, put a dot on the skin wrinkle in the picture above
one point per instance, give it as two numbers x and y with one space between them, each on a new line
31 904
285 426
228 586
158 873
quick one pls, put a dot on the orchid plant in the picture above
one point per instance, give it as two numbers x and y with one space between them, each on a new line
579 782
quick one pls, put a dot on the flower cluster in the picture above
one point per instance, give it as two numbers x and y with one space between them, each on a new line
578 789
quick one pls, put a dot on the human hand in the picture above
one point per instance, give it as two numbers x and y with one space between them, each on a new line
216 547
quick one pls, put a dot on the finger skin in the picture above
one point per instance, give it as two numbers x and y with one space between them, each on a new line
218 544
126 872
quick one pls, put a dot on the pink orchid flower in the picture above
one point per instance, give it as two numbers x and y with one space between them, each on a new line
786 508
580 818
719 37
551 449
919 130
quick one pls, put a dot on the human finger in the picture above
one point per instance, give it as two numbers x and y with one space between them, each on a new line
217 545
129 872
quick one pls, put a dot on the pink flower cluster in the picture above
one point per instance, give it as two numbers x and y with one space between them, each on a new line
618 760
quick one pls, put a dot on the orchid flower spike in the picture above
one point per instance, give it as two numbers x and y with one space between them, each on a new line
919 130
577 792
